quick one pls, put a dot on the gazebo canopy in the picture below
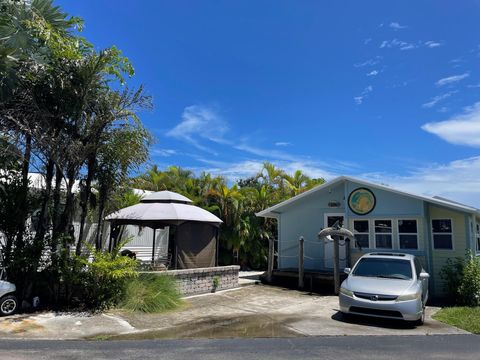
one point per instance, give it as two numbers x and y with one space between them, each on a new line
163 208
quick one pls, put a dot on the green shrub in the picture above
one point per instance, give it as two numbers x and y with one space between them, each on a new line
462 277
151 293
105 277
452 274
469 288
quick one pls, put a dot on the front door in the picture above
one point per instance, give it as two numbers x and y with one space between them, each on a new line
330 220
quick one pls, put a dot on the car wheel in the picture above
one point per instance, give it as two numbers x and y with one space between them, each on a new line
8 305
421 321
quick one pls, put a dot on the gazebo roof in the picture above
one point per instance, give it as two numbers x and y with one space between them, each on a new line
163 208
166 196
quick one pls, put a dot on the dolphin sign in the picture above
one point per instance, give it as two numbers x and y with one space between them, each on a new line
336 230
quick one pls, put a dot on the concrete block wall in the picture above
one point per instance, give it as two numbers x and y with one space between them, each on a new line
200 281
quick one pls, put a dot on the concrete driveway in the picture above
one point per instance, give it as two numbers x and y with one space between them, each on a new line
252 311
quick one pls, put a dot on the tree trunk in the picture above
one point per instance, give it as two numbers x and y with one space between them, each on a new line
65 225
85 197
56 204
22 205
102 196
42 224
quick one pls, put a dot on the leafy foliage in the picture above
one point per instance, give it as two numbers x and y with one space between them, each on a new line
150 293
64 114
462 278
469 288
96 281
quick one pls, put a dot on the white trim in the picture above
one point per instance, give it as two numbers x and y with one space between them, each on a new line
326 215
383 233
325 224
450 233
270 212
362 233
402 233
476 235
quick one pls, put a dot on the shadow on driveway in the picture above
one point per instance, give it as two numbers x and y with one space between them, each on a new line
373 321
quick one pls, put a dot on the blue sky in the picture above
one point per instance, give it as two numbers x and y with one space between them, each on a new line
385 91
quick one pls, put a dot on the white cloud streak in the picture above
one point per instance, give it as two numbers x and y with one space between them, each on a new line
395 43
200 122
359 99
433 44
452 79
436 99
370 62
397 26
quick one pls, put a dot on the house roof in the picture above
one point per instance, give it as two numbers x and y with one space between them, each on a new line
273 211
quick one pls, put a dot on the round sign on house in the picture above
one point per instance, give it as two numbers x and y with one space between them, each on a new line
361 201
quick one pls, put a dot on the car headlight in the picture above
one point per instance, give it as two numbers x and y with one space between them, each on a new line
407 297
346 292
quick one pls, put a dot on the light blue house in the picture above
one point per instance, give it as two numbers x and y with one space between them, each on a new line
382 219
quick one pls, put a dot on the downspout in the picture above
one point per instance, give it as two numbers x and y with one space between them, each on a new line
428 246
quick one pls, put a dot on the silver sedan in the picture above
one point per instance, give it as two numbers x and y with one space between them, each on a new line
387 285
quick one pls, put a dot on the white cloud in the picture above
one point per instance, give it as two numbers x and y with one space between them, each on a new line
164 152
433 44
200 122
433 101
369 62
282 143
452 79
359 99
462 129
373 73
395 43
473 86
367 41
397 26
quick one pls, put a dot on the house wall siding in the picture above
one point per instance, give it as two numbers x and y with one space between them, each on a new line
459 240
306 218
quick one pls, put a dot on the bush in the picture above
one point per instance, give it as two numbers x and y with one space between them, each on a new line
150 293
104 278
462 278
452 274
469 288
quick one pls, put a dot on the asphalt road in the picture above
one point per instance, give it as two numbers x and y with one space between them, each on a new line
338 348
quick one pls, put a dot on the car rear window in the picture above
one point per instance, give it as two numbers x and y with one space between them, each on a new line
384 268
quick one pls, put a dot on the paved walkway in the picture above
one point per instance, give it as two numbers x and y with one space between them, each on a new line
252 311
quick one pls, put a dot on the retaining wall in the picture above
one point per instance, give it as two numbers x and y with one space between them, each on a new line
200 281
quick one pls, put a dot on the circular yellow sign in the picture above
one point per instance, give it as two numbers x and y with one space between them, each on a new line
361 201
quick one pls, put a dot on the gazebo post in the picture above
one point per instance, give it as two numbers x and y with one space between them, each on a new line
176 247
153 247
216 245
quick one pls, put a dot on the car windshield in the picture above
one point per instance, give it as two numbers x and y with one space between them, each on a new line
384 268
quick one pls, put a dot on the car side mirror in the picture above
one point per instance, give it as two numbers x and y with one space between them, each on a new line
347 270
424 275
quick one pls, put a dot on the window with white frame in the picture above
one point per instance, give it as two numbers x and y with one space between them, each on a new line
407 234
383 234
361 232
442 234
